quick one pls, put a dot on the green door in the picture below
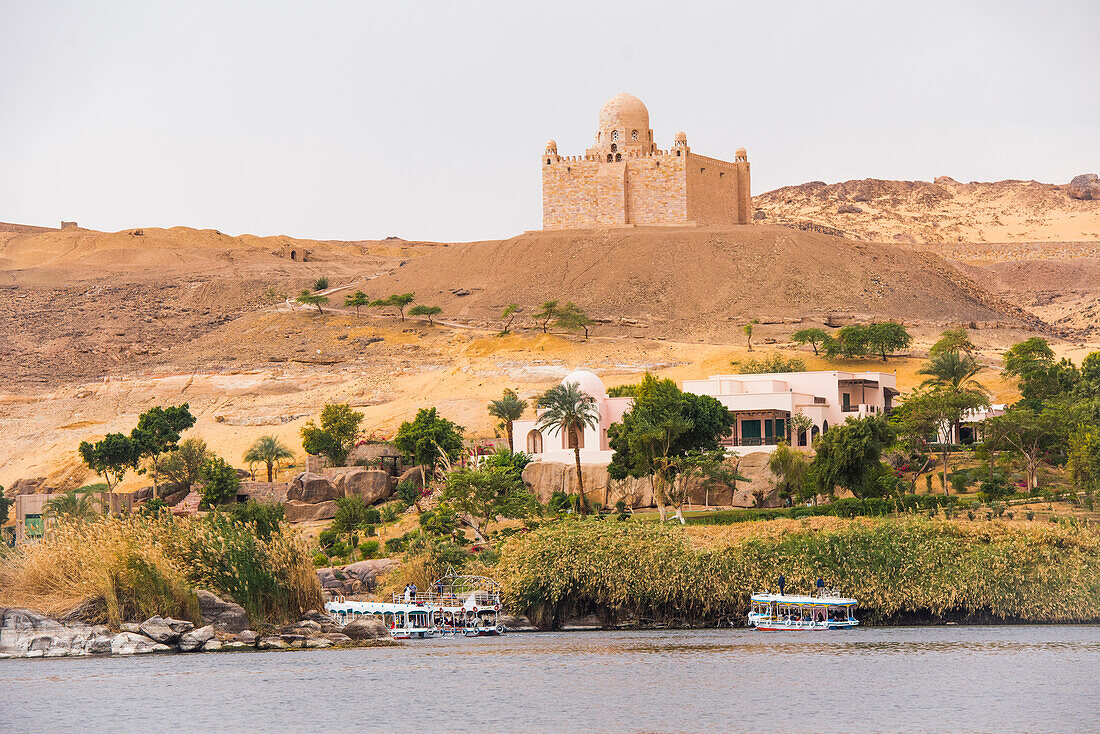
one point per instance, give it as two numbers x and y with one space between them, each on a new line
750 433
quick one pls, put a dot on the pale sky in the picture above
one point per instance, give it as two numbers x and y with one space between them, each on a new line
356 120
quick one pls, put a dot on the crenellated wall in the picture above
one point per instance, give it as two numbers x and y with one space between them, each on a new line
659 187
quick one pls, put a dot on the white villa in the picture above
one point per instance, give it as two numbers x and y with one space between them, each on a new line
762 404
547 444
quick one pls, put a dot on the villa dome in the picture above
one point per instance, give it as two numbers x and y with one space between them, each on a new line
588 382
624 112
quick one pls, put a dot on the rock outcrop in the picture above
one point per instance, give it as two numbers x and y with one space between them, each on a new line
312 488
224 615
544 478
372 485
1085 187
354 578
27 634
367 627
305 512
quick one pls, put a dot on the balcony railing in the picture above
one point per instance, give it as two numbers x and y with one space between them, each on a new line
743 441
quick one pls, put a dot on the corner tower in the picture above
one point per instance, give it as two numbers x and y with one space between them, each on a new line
625 179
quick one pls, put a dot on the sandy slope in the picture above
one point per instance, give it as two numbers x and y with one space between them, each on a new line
941 211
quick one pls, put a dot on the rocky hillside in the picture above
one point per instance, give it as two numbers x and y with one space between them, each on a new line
943 210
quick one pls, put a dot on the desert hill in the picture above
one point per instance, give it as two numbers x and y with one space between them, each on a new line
944 210
695 281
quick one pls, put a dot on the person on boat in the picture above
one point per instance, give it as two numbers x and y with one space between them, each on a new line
820 586
408 592
782 583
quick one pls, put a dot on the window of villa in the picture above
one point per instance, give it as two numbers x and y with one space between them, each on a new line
633 134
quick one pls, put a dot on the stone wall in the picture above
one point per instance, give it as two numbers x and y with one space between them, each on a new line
662 187
269 492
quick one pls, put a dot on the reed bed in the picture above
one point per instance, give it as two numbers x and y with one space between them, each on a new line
901 570
130 568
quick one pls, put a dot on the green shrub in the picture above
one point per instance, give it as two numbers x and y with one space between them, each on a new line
369 549
354 540
320 560
373 516
395 545
407 492
369 531
263 518
351 512
1030 514
327 538
339 549
321 283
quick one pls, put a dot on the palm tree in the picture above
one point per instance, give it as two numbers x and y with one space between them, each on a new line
509 408
268 450
74 506
954 372
356 300
570 410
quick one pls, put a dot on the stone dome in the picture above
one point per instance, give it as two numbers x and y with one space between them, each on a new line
681 137
624 112
588 382
741 154
552 145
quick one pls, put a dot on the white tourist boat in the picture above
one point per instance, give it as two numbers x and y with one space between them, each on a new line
825 611
454 605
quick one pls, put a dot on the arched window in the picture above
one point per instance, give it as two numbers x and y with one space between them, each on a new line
293 255
610 158
618 156
548 161
633 134
614 135
801 438
814 433
824 426
614 147
534 442
677 153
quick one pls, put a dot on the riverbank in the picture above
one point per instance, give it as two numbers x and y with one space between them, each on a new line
901 571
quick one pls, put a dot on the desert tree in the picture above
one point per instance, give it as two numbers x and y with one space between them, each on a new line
748 329
887 337
429 440
110 458
569 410
429 311
508 316
183 466
400 301
356 300
546 313
812 336
157 433
508 409
953 340
312 299
220 483
269 451
1036 435
337 434
480 496
574 319
791 474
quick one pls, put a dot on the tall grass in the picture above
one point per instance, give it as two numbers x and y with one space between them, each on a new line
899 570
131 568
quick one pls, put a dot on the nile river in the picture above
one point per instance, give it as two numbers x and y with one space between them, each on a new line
886 679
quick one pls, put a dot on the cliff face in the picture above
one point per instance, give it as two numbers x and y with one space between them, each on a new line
943 210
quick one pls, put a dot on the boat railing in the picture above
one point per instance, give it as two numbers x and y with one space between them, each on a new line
434 599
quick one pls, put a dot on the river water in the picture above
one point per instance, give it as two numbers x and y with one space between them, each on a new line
952 678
